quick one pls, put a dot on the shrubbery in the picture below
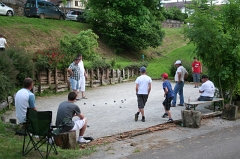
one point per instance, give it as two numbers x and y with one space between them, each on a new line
23 64
83 43
15 65
49 59
175 14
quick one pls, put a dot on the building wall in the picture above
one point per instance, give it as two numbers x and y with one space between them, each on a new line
72 4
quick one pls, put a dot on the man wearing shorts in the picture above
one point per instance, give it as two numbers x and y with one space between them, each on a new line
143 88
66 111
168 94
74 71
197 70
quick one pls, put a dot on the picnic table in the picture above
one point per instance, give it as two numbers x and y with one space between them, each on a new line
194 104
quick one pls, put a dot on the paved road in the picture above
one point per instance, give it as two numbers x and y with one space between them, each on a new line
215 139
220 144
107 117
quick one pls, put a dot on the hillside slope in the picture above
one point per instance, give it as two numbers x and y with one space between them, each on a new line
33 34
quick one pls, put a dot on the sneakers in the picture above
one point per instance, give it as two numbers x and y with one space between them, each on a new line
173 105
83 141
164 115
143 118
170 120
180 104
136 116
84 97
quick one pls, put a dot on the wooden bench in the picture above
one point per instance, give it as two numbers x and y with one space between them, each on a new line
194 104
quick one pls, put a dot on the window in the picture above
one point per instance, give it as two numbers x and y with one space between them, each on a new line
40 5
48 5
78 4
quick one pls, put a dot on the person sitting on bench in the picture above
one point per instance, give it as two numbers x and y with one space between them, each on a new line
207 89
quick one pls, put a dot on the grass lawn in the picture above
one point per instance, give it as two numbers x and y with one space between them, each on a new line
163 64
11 146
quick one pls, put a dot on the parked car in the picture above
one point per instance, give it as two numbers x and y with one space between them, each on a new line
42 9
76 15
5 10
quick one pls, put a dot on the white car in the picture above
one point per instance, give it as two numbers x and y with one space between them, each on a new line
75 15
5 10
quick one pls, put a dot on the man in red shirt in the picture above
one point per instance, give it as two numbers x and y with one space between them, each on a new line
197 70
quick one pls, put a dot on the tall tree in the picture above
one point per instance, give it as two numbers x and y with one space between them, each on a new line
127 24
215 31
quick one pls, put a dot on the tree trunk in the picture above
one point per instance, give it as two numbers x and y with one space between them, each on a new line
66 140
191 118
230 112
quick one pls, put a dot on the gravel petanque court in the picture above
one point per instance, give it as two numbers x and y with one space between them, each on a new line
110 109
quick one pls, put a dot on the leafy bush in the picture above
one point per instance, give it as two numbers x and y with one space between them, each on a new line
83 43
8 75
23 63
138 65
49 59
100 63
175 14
6 86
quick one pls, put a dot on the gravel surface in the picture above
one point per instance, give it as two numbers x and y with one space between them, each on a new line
110 109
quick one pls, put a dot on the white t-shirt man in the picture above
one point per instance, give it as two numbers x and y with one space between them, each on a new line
143 82
208 89
3 42
183 71
24 99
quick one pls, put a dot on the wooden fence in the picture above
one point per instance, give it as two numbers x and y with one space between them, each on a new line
58 80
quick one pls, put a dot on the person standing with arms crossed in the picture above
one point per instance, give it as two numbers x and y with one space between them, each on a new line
83 76
74 71
143 88
197 70
3 42
180 75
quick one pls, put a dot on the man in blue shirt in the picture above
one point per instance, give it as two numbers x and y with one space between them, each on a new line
24 99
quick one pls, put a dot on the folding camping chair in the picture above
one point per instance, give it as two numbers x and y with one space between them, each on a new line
38 132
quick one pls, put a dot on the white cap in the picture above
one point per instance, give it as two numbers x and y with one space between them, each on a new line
177 62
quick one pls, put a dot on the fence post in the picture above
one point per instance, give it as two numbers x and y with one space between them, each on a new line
49 77
39 81
91 78
123 74
127 73
56 80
